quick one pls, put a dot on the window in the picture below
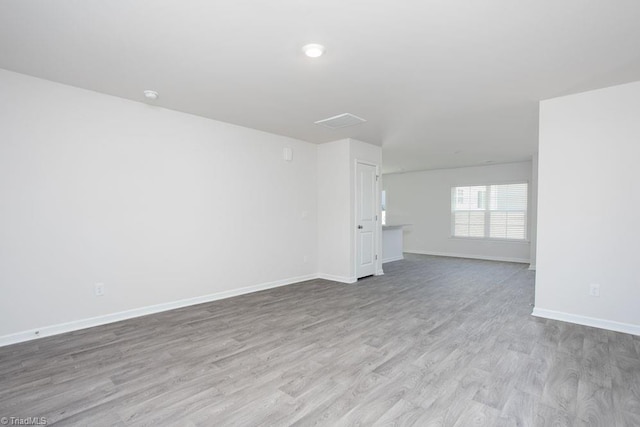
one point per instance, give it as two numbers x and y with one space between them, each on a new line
490 211
481 197
383 200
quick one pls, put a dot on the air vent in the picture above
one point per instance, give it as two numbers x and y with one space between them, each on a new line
341 121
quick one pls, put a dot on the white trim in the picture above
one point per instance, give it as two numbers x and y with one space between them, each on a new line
391 259
341 279
470 256
491 239
587 321
532 267
75 325
380 272
487 183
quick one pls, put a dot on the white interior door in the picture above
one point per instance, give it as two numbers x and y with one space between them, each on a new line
366 211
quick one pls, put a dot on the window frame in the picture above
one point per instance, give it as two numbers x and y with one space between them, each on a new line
487 227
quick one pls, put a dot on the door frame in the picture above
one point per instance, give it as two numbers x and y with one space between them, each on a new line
354 224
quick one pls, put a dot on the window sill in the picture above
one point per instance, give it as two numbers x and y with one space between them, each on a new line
487 239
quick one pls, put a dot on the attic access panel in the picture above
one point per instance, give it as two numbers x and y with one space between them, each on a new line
341 121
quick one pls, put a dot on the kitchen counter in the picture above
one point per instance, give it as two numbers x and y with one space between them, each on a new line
392 242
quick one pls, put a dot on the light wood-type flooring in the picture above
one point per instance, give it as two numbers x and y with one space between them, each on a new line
434 342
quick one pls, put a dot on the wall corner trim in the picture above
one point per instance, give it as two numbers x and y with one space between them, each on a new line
611 325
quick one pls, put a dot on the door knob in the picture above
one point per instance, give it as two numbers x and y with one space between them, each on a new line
359 227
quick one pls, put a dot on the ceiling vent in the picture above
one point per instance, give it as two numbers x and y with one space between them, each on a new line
341 121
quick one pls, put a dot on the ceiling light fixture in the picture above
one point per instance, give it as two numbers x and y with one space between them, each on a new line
313 50
151 94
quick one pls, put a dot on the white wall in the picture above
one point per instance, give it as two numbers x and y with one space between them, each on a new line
423 199
334 221
336 207
158 205
533 218
588 206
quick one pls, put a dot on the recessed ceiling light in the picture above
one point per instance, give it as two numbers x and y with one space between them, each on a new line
313 50
151 94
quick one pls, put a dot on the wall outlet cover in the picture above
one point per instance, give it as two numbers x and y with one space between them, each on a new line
99 289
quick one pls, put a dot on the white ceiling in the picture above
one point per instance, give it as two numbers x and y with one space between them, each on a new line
442 83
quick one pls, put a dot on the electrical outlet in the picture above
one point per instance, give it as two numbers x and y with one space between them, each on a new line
594 290
99 289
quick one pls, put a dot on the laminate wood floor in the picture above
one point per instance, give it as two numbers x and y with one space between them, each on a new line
434 342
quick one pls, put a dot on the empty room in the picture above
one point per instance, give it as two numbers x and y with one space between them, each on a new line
374 213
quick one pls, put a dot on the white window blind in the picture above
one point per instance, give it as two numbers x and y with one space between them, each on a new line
490 211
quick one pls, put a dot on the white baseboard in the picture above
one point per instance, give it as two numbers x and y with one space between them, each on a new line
75 325
532 267
341 279
457 255
395 258
627 328
380 272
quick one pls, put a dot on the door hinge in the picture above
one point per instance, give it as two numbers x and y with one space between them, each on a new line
376 256
376 217
377 176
